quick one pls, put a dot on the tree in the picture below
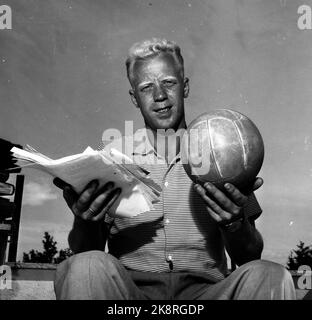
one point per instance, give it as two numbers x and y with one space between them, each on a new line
300 256
63 254
49 252
49 246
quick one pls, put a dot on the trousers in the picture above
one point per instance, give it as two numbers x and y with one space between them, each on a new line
96 275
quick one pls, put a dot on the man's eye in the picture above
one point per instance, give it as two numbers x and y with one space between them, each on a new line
146 88
169 83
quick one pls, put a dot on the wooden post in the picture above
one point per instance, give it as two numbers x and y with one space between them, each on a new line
4 231
3 242
16 217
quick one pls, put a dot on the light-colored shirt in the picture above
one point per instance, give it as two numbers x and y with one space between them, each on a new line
178 235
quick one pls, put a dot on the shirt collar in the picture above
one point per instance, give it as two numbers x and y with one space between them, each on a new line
149 148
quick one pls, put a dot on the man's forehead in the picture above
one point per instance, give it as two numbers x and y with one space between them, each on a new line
160 62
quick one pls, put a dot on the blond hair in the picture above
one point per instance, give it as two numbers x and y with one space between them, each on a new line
152 47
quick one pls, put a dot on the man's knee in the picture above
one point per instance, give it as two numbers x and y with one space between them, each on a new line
267 267
268 270
261 279
87 275
82 264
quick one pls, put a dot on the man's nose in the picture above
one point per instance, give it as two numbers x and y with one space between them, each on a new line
159 93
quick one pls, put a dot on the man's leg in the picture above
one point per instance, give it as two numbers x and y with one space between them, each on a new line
256 280
94 275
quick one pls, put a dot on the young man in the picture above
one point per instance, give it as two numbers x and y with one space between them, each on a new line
177 250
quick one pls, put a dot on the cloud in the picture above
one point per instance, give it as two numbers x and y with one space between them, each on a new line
35 194
31 235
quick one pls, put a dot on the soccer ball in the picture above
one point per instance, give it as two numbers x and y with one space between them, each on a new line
222 146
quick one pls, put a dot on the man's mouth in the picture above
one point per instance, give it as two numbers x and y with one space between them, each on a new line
163 110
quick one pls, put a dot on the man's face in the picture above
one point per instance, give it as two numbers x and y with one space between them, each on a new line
159 91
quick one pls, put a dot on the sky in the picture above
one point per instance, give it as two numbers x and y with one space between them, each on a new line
63 82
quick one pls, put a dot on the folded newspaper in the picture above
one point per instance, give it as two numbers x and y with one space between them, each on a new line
139 191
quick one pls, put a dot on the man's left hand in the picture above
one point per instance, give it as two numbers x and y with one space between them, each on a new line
225 208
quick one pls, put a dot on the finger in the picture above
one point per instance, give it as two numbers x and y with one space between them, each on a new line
239 198
85 198
98 203
107 186
222 217
70 196
258 183
212 204
225 202
214 215
105 210
60 183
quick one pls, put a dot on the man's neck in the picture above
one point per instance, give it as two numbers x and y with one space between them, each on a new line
166 142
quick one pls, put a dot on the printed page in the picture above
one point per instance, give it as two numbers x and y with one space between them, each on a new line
79 170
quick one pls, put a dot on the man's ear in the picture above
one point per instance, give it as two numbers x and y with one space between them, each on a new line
133 98
186 88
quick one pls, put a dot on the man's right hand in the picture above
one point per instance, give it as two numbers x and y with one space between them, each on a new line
93 202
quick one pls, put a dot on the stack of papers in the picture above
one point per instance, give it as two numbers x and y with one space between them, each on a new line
139 192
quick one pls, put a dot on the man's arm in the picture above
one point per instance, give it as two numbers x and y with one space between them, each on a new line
242 240
89 230
87 236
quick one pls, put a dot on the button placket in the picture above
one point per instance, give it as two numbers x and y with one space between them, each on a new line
168 255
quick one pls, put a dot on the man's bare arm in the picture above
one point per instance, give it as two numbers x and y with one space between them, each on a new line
244 243
242 240
87 235
89 230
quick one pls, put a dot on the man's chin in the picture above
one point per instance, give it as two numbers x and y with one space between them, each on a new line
165 125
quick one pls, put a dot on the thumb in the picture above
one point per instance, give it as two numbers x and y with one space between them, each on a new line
258 183
60 183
